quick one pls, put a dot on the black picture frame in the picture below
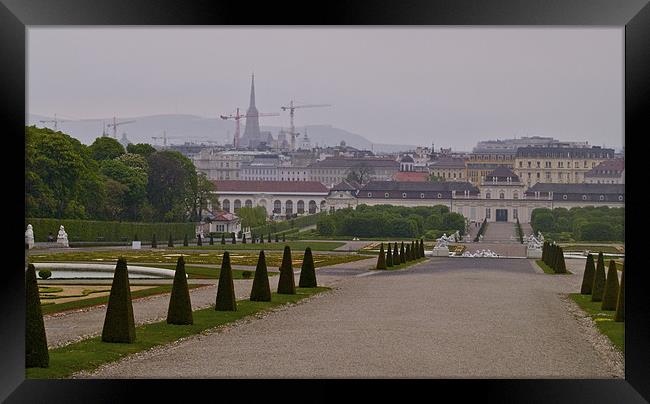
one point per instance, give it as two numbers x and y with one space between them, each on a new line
634 15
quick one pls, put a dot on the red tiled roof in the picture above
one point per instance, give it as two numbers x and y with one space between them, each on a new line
411 176
269 186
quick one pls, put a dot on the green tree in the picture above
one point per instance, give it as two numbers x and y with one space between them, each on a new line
185 241
434 178
119 324
286 283
223 238
172 185
36 353
199 240
261 291
598 287
360 173
143 149
610 294
234 241
105 148
620 301
588 277
134 161
211 239
252 217
180 305
381 259
243 238
204 195
226 288
307 271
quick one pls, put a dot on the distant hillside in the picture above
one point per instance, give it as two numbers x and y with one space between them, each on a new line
186 128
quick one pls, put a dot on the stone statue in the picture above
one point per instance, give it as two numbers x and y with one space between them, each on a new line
480 238
457 236
62 237
533 243
29 236
442 242
540 237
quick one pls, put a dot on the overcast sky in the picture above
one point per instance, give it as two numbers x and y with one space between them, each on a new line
450 86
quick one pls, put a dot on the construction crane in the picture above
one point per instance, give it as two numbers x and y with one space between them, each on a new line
237 117
291 109
115 124
55 121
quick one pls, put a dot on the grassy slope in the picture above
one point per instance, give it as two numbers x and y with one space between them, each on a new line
604 319
92 353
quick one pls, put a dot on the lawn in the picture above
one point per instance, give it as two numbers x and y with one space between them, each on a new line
548 270
242 257
604 319
94 301
91 353
611 249
294 245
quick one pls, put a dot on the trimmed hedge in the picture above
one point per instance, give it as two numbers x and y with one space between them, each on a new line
261 291
92 230
389 256
279 226
598 288
588 277
307 271
36 353
119 324
226 289
620 301
381 259
610 294
286 283
180 305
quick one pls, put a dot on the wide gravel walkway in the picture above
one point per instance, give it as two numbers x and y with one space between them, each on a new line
446 318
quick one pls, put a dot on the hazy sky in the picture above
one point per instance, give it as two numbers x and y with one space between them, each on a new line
451 86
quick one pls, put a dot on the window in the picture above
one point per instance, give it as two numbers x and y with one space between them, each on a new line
403 194
538 164
386 195
422 195
602 197
515 195
502 195
369 194
564 197
488 195
515 215
439 195
521 164
584 197
620 197
529 164
487 213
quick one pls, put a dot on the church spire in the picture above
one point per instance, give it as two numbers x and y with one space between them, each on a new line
252 103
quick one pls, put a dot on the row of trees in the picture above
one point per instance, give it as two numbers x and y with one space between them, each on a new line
119 323
580 224
605 288
553 257
395 256
66 179
390 221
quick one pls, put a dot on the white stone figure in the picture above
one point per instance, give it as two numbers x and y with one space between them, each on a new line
480 238
457 236
442 242
29 236
533 243
540 236
62 237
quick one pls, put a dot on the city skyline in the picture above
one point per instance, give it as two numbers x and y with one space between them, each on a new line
449 86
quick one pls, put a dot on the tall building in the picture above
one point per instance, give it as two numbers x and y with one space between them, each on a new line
252 136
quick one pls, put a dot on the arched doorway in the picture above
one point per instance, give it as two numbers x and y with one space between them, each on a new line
236 205
226 205
277 206
312 207
248 203
323 206
288 207
301 207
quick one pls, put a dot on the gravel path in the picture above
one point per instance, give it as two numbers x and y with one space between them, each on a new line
64 328
446 317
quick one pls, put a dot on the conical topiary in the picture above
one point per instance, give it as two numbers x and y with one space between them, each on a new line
422 248
243 238
261 291
402 257
170 242
269 239
119 324
611 288
185 241
620 301
416 247
154 243
286 283
284 238
307 271
414 252
199 240
36 353
226 288
223 238
135 237
277 238
588 277
180 305
407 253
252 238
261 238
560 265
389 257
381 259
211 239
396 259
544 251
234 240
598 287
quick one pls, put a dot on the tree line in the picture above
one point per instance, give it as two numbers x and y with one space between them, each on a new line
391 221
580 224
66 179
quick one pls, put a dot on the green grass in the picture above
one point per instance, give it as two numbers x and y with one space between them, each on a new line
295 245
212 257
91 353
402 266
52 308
604 319
548 270
206 273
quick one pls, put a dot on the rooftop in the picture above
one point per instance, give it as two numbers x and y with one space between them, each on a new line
269 186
